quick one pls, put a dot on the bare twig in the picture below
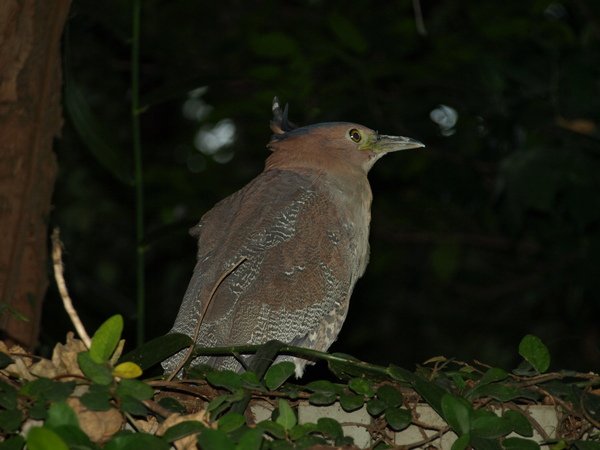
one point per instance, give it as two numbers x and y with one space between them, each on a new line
428 439
190 349
62 288
157 408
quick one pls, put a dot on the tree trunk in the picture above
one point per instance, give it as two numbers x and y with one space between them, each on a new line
30 118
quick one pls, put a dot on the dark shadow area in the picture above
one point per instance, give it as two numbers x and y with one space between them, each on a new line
490 233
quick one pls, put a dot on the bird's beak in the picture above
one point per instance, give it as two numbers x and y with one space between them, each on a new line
386 144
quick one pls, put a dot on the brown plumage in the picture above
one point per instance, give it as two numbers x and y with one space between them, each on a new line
285 251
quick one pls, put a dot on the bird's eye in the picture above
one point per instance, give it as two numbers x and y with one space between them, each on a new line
355 135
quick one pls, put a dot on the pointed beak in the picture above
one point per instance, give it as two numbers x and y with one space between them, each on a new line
386 144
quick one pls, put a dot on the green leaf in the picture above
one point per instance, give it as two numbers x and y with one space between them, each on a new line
106 338
287 417
136 441
389 395
216 402
533 350
74 437
5 360
351 402
362 386
401 374
136 389
251 381
457 413
561 445
183 429
278 373
10 421
98 373
132 405
299 431
310 441
323 386
430 392
227 379
157 350
515 443
42 438
398 418
60 414
459 380
591 403
344 441
500 392
346 367
375 407
250 440
231 421
322 398
38 411
49 390
480 443
8 396
586 445
490 426
172 405
330 427
461 443
493 375
97 398
264 357
272 428
518 423
13 443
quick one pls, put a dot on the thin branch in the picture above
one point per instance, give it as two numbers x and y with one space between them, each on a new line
428 439
190 349
157 408
427 426
57 263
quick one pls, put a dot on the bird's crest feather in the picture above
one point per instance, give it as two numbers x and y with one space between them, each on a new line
280 123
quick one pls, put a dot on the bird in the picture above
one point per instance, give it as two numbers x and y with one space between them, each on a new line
279 258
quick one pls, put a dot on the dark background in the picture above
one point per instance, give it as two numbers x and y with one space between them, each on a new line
489 234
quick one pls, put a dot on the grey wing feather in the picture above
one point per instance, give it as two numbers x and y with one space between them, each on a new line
293 285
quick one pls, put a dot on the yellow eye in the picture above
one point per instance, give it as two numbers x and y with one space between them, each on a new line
355 135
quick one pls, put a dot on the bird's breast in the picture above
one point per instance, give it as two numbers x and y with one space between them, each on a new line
352 203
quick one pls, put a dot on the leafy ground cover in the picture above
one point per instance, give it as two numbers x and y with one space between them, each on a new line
91 398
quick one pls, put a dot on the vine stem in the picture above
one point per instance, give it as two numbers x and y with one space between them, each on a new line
139 179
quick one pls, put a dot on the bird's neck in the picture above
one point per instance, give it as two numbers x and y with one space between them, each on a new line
342 179
334 162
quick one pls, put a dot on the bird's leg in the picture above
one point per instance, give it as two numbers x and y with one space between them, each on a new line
190 349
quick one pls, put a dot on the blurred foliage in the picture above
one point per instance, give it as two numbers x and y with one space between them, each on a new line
490 233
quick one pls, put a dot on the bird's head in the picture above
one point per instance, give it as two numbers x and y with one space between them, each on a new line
330 145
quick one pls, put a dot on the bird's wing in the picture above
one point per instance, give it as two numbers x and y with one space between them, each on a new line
279 256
